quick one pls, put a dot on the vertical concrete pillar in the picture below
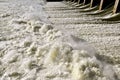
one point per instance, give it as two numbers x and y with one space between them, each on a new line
86 2
91 3
106 3
116 8
78 1
94 3
101 5
74 0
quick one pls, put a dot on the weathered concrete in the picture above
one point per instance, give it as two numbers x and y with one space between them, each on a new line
106 3
116 8
94 3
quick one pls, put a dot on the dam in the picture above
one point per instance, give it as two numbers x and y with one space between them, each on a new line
59 39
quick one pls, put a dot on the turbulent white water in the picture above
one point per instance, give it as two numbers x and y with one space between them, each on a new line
31 48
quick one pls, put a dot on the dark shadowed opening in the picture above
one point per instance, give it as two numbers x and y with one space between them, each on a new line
95 3
87 2
81 1
107 4
118 8
76 0
72 0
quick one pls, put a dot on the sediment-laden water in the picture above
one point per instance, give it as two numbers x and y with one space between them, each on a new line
32 48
